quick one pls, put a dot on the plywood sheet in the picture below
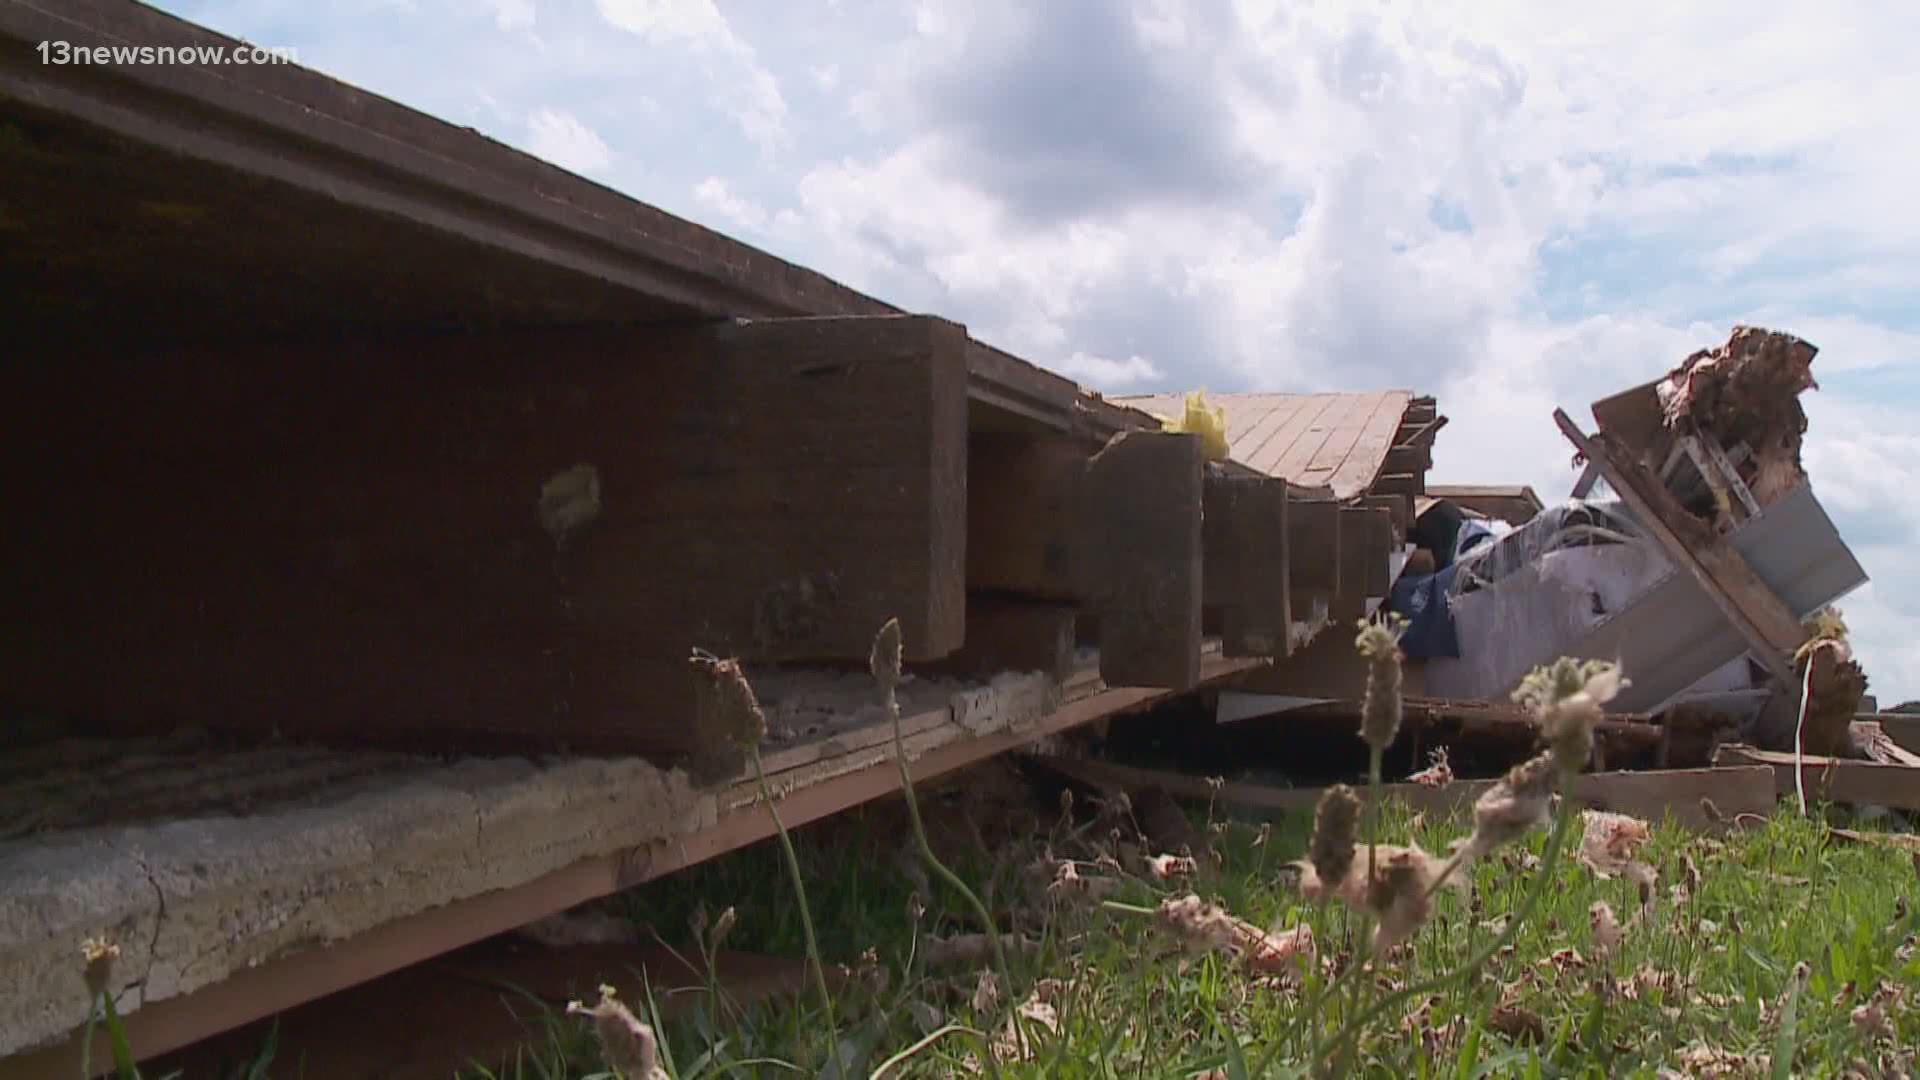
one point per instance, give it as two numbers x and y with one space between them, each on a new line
1338 441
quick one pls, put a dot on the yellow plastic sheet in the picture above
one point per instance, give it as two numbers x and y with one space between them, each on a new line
1208 422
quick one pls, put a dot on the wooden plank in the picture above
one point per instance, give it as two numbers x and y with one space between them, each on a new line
1304 417
284 982
1872 739
1651 795
1400 484
1421 433
1903 729
1398 507
1421 410
1366 546
505 541
1335 428
1736 590
1244 555
1141 511
1264 415
1407 459
1844 780
1313 551
1365 458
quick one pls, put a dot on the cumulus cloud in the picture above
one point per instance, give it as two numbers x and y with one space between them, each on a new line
512 14
751 93
1102 371
716 195
561 138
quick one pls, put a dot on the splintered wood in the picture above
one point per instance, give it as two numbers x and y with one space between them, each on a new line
1760 617
510 541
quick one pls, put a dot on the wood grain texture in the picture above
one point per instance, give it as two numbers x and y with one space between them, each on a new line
1336 441
1246 576
1313 551
347 542
1366 545
1141 510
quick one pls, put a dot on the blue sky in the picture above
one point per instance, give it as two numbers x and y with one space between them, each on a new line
1506 206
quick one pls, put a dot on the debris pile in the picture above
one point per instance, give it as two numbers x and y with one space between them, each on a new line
1744 398
1721 433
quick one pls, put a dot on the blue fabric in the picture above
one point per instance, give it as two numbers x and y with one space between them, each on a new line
1422 601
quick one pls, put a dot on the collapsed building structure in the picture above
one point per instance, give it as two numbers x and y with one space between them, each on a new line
385 479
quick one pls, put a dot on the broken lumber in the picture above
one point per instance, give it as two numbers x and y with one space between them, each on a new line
1746 601
1649 795
1841 780
1244 563
1902 728
509 541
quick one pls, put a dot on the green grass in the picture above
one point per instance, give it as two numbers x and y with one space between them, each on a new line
1709 973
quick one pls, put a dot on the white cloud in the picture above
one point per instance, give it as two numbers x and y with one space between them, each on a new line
512 14
561 138
1706 166
749 91
714 194
1113 374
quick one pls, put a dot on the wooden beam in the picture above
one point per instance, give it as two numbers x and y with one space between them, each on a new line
1902 728
1407 459
1399 506
1313 551
509 541
1399 484
1244 554
1649 795
1843 780
1420 411
1760 617
284 982
1141 513
1418 433
1366 544
1012 633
